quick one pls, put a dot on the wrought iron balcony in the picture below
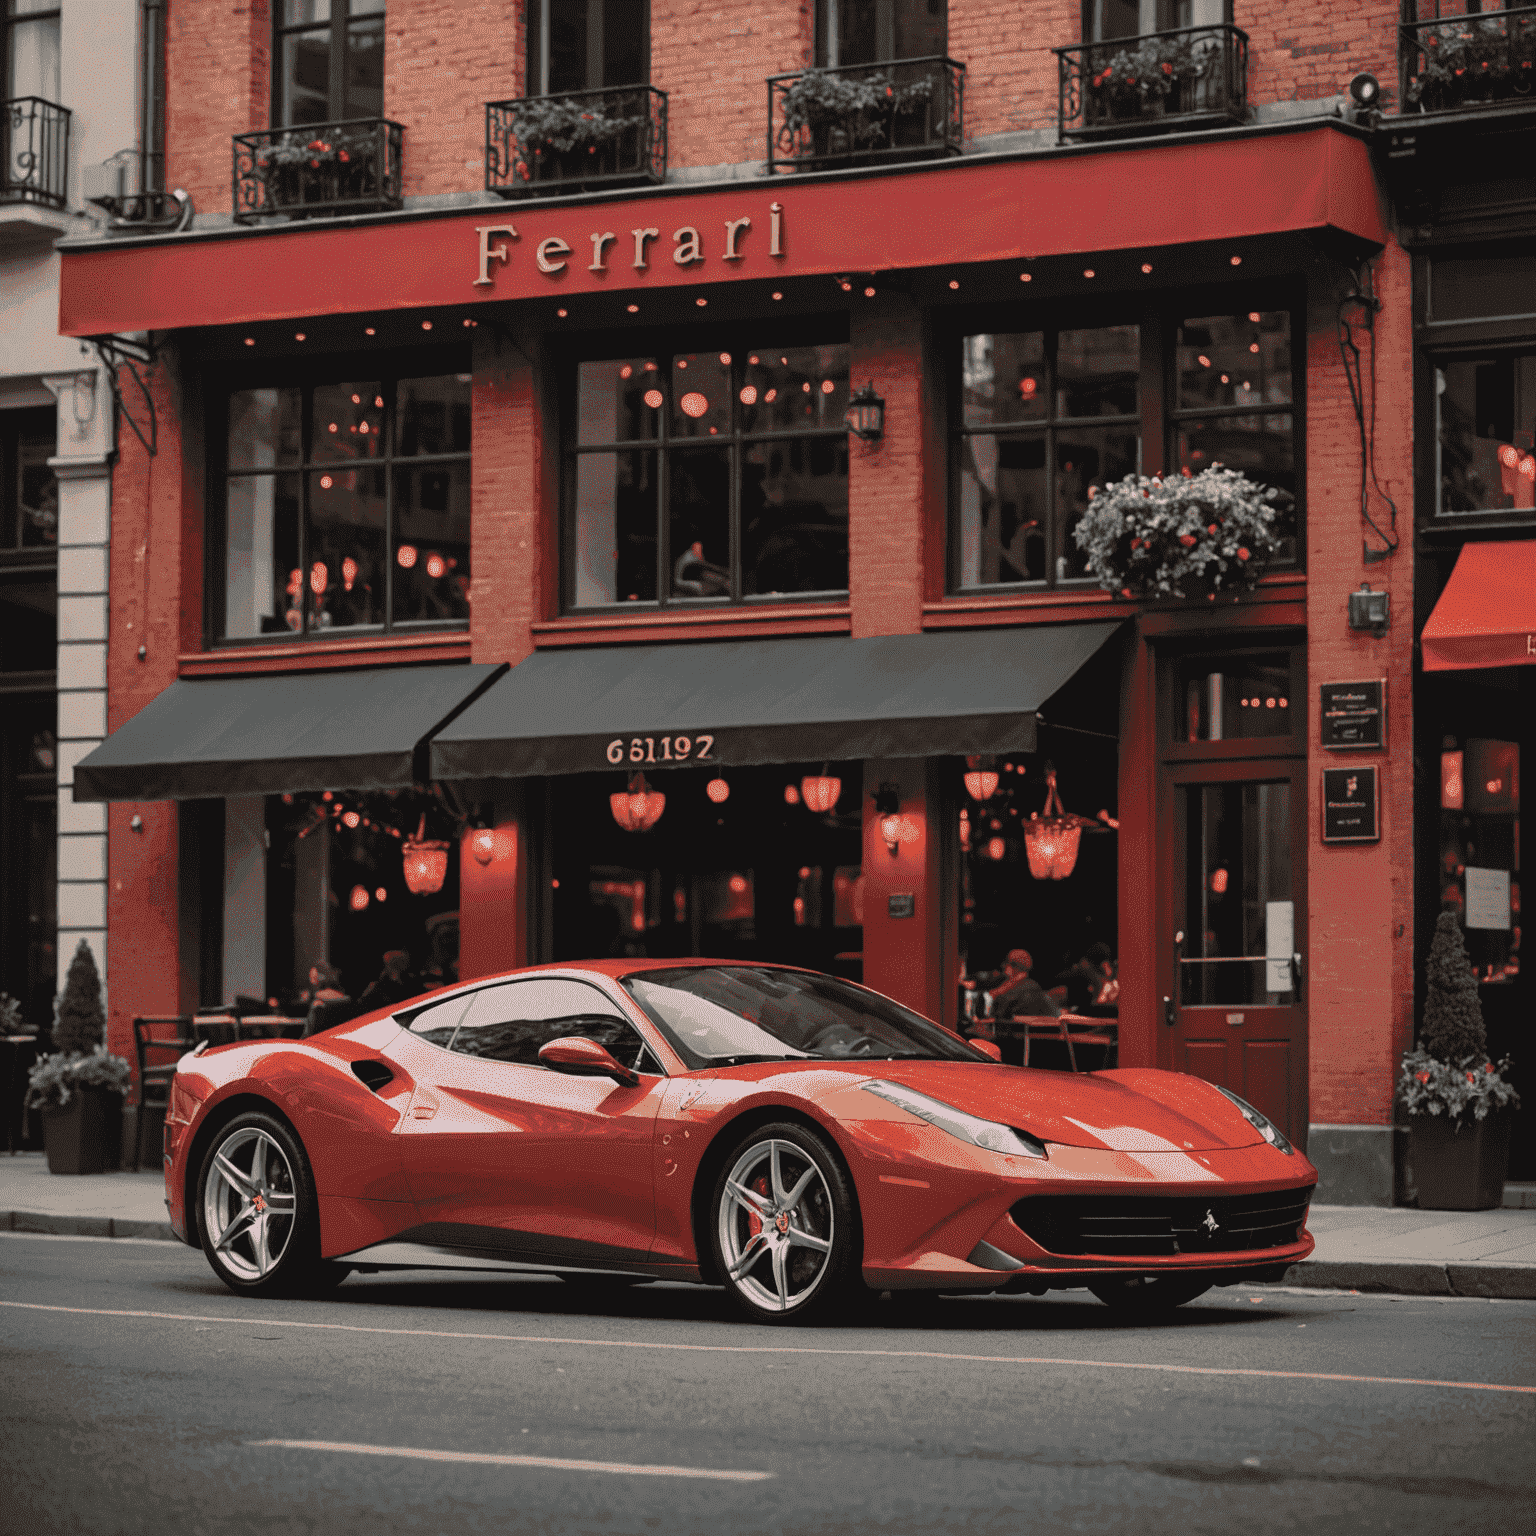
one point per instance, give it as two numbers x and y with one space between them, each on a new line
34 152
317 170
1460 62
545 145
862 114
1161 82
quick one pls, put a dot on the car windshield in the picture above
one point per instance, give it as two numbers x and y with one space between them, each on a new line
721 1015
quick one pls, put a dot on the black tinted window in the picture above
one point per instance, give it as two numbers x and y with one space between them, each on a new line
439 1022
513 1022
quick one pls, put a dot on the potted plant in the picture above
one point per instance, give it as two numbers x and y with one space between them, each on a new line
1455 1098
80 1085
563 139
1141 81
1186 535
843 115
329 167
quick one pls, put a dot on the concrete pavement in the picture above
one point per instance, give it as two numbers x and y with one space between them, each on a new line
1360 1248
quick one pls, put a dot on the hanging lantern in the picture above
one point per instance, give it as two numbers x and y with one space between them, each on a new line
980 783
425 862
865 416
996 848
791 795
718 791
638 808
482 844
820 791
1051 839
359 898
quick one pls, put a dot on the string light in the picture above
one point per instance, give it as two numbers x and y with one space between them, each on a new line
1089 272
299 336
953 284
562 313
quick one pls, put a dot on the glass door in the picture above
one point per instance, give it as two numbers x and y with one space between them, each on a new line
1234 999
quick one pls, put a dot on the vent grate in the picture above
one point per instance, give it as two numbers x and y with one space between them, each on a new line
1156 1226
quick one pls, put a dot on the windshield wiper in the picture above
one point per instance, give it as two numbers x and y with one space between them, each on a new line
746 1059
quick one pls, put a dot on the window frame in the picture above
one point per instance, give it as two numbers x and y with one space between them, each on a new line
825 32
9 24
1091 25
1159 415
390 368
825 330
537 47
14 424
337 28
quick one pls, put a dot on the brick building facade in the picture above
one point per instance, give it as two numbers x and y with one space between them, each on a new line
1009 263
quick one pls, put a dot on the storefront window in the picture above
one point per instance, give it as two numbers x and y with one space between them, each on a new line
877 31
1485 434
29 494
1046 415
716 474
584 45
1236 699
346 506
328 61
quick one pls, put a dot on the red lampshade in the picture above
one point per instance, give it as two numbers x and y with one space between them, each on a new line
981 784
996 848
718 791
425 862
638 808
1050 845
820 792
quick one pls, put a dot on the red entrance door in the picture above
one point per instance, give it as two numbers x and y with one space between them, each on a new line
1234 994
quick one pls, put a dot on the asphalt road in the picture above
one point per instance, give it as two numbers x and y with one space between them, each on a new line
136 1394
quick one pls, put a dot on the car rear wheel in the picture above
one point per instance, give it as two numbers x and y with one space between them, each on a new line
785 1225
260 1223
1149 1295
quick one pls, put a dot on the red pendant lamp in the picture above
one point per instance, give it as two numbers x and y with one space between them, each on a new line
425 862
638 808
820 791
980 783
1051 838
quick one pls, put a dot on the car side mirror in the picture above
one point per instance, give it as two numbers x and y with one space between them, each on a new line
988 1048
585 1058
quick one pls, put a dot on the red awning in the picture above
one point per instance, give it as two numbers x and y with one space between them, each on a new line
1165 193
1486 617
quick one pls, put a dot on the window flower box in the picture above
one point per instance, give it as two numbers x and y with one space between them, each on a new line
317 170
1469 61
554 144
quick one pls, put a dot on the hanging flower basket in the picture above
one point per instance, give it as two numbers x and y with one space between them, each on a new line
1184 536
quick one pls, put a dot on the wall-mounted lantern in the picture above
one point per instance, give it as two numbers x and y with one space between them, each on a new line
865 415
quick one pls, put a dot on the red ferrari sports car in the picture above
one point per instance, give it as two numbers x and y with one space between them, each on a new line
791 1136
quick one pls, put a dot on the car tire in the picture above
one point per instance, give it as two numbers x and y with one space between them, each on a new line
258 1217
1149 1295
784 1224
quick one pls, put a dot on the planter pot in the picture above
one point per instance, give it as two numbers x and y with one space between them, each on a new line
86 1135
1458 1165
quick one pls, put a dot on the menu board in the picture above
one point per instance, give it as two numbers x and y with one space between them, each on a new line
1351 809
1353 716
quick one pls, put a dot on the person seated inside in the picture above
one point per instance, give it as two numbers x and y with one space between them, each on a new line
394 984
1092 982
694 576
1021 996
323 999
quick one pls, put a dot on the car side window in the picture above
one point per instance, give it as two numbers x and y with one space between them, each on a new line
438 1022
514 1021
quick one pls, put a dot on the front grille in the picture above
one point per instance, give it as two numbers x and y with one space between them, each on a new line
1157 1225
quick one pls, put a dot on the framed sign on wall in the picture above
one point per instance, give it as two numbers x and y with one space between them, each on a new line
1353 716
1351 805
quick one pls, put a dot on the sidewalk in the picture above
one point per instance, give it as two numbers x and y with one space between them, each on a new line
1360 1248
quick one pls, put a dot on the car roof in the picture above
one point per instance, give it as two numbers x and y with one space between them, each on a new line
617 968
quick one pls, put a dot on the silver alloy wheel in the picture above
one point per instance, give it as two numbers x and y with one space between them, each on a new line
248 1203
776 1225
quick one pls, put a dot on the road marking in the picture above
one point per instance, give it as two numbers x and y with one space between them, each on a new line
782 1349
559 1463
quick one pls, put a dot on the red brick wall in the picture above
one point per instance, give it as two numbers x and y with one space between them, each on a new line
156 602
1299 50
1360 996
713 61
218 82
1010 69
443 60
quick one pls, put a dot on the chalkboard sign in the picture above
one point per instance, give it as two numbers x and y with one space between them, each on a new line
1353 716
1351 809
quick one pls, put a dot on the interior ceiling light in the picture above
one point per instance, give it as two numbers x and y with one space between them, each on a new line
426 325
701 302
953 283
368 331
1025 277
1089 272
1146 267
869 293
634 309
250 341
778 296
1237 261
299 336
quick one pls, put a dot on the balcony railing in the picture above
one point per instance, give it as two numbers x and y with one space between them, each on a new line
1194 77
34 152
1469 61
861 114
317 170
546 145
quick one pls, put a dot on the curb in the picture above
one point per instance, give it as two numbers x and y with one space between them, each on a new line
1406 1277
85 1226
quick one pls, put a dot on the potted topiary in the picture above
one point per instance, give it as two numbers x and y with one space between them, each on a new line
80 1086
1184 536
1456 1099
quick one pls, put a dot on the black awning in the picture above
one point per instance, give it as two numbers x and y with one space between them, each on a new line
766 701
210 737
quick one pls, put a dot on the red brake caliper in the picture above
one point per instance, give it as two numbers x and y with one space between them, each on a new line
754 1221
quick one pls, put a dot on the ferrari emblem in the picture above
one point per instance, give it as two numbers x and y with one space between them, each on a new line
1211 1225
259 1204
781 1221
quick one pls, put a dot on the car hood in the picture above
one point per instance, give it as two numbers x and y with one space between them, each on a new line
1131 1111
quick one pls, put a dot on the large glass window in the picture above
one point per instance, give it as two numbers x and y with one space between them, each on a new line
1044 416
584 45
346 505
877 31
1485 434
31 44
327 60
1105 20
718 474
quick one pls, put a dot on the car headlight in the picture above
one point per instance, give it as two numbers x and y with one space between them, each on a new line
1264 1126
988 1134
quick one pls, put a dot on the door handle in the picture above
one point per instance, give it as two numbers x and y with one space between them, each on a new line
1296 975
1168 1012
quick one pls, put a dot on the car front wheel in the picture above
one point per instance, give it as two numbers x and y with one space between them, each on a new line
1149 1295
260 1223
785 1226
